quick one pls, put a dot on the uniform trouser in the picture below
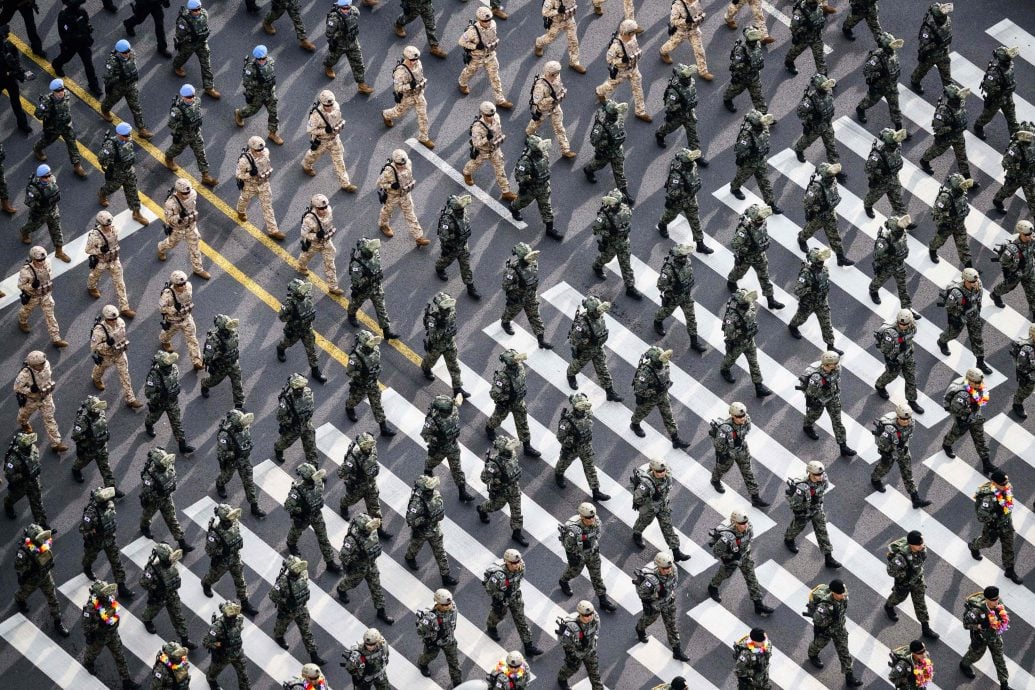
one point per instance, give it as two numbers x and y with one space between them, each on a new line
46 305
724 462
452 659
204 59
115 92
644 405
434 539
1011 281
418 103
822 311
691 36
646 515
100 456
977 435
308 339
404 202
68 51
571 666
516 605
140 12
93 547
495 157
873 97
243 468
52 218
746 565
669 304
814 44
221 661
611 250
451 455
579 359
758 19
1025 387
635 80
265 194
868 15
556 27
165 506
67 135
113 642
819 525
462 258
447 351
127 182
992 106
758 261
191 237
367 492
308 435
905 468
299 617
353 52
823 636
426 12
958 231
315 521
369 390
757 170
904 366
172 605
602 159
822 131
528 303
914 590
979 642
492 69
364 571
828 222
26 10
121 364
197 146
746 348
959 150
520 412
590 560
332 146
31 490
924 65
754 89
253 103
586 455
814 410
540 195
46 407
46 585
974 326
668 616
505 496
230 371
277 9
154 413
881 186
881 273
687 121
219 567
1011 184
689 208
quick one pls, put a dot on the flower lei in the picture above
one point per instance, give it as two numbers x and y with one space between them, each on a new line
316 684
999 619
759 647
172 665
1005 499
978 395
510 671
109 615
42 548
923 672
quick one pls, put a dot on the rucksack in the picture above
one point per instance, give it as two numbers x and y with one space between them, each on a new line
950 392
818 595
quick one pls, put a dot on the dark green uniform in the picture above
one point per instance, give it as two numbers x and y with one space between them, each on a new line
807 24
425 511
33 565
359 469
732 548
304 504
890 252
185 126
675 284
963 308
650 383
158 484
933 44
437 630
657 593
747 60
681 188
822 388
223 544
98 527
501 475
259 81
359 552
904 673
520 282
829 617
680 99
949 125
813 293
907 568
172 668
440 340
454 229
895 342
882 168
739 327
233 451
120 81
343 39
607 136
752 665
978 617
882 71
365 277
221 356
161 581
805 498
294 11
730 442
56 115
575 434
509 387
816 112
367 664
503 586
425 9
611 227
117 157
651 500
998 86
532 173
190 37
223 640
1019 169
579 639
580 537
22 472
749 244
752 152
101 629
860 10
162 390
290 595
1017 259
295 407
1024 360
821 199
993 505
298 314
892 441
363 368
587 336
42 199
442 433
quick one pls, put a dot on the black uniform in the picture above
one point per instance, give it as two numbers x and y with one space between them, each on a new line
155 8
76 34
11 73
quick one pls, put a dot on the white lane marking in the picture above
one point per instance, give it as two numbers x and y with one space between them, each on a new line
1009 34
1012 436
970 75
46 655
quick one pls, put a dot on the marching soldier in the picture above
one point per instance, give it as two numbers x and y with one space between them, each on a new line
367 661
176 304
739 327
882 71
986 618
611 227
675 283
162 390
511 672
754 652
652 483
41 196
731 544
547 94
161 581
33 564
821 199
882 168
752 152
750 243
1018 167
290 594
295 407
101 629
502 581
223 547
181 225
580 537
324 125
656 586
298 314
680 99
501 475
425 511
221 357
729 437
310 676
172 667
607 135
120 81
233 452
117 157
933 48
895 342
359 552
906 557
816 112
821 384
949 126
520 283
623 56
343 39
158 479
997 87
454 229
294 10
185 123
436 627
813 292
99 528
190 37
862 10
805 498
55 111
579 633
440 340
911 666
108 344
479 42
394 185
304 504
408 85
807 24
651 382
11 70
36 285
532 174
155 8
425 9
364 366
441 432
359 470
828 608
893 433
684 24
993 502
224 643
758 19
962 300
747 59
575 434
254 171
587 336
681 189
34 390
22 472
90 433
1017 259
1023 352
508 392
558 16
366 278
486 139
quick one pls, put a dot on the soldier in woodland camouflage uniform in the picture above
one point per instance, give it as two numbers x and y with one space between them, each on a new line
158 479
304 504
161 581
997 87
623 57
440 340
99 528
259 82
101 629
423 514
1019 168
889 259
575 434
441 431
290 594
520 283
892 433
805 498
747 59
363 368
821 384
860 10
532 173
816 112
54 110
684 23
933 47
680 99
191 38
821 199
223 544
90 433
906 558
986 619
108 346
993 503
911 666
343 39
501 475
221 356
962 300
750 243
33 565
171 670
580 536
813 292
42 196
731 544
359 469
117 157
739 327
675 283
408 86
882 168
752 152
162 390
454 229
895 342
295 406
367 661
650 385
1017 259
607 136
509 387
233 451
359 552
681 187
587 336
651 483
294 10
949 125
656 586
502 582
1023 352
223 640
120 81
828 609
558 16
882 71
807 24
298 312
547 94
425 9
753 652
437 630
185 124
578 634
479 42
611 228
729 437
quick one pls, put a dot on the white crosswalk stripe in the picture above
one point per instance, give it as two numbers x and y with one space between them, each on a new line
323 609
1012 436
46 655
658 658
970 75
1009 34
258 646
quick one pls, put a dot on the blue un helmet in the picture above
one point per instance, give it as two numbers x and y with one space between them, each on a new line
186 91
122 46
193 4
56 85
343 3
123 129
259 52
43 170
